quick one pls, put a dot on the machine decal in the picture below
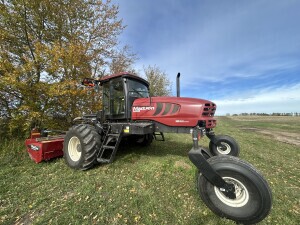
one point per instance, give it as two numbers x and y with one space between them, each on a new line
166 109
182 121
142 108
126 130
33 147
158 108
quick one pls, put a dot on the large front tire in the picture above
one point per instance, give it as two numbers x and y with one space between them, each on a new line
224 145
81 146
253 196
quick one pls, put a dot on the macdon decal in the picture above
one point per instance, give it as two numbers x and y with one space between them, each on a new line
142 108
34 148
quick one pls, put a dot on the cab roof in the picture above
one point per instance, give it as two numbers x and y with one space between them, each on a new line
125 75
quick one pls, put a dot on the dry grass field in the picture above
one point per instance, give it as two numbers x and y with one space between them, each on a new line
152 185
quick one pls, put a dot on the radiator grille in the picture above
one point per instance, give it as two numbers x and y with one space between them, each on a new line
209 109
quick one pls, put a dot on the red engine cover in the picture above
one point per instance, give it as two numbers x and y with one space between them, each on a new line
175 111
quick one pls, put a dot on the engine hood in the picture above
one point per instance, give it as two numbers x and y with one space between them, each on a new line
174 111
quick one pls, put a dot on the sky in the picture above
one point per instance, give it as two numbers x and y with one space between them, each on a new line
243 55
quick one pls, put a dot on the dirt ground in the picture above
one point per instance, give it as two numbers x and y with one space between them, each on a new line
286 137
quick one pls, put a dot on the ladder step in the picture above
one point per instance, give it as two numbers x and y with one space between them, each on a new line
107 152
108 147
101 160
113 135
160 134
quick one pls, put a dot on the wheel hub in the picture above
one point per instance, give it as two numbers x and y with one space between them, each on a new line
224 148
74 149
241 193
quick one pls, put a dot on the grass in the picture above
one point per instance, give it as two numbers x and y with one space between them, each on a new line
152 185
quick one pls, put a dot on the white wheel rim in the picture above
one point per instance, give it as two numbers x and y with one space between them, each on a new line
241 192
221 149
74 149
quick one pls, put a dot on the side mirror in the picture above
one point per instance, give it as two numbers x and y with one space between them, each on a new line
91 83
88 82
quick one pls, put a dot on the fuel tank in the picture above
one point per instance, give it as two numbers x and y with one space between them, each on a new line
175 111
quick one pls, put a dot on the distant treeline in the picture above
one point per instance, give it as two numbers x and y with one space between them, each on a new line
265 114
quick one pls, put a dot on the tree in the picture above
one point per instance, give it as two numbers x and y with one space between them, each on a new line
122 62
46 48
160 85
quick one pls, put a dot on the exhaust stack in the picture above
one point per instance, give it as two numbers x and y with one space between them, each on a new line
178 85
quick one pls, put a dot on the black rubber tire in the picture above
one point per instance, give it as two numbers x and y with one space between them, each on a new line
225 145
144 140
252 204
81 145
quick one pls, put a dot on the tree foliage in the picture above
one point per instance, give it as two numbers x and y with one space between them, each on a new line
123 62
160 85
46 48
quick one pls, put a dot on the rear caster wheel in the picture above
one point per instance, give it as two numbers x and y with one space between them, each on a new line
224 145
253 196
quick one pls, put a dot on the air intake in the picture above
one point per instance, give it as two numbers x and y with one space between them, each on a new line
209 109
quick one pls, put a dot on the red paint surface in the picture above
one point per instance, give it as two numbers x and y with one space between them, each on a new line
191 110
43 150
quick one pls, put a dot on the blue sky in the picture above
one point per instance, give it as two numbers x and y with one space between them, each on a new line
243 55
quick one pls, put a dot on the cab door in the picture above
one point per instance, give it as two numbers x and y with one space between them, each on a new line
114 99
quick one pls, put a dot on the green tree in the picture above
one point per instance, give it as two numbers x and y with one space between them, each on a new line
160 85
46 48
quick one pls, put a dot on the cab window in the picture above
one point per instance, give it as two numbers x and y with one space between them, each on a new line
117 97
137 89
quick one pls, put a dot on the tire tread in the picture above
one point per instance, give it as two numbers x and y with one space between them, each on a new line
90 141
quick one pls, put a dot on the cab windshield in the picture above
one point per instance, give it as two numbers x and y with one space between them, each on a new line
137 89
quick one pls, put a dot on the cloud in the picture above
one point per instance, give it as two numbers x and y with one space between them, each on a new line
233 45
269 100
